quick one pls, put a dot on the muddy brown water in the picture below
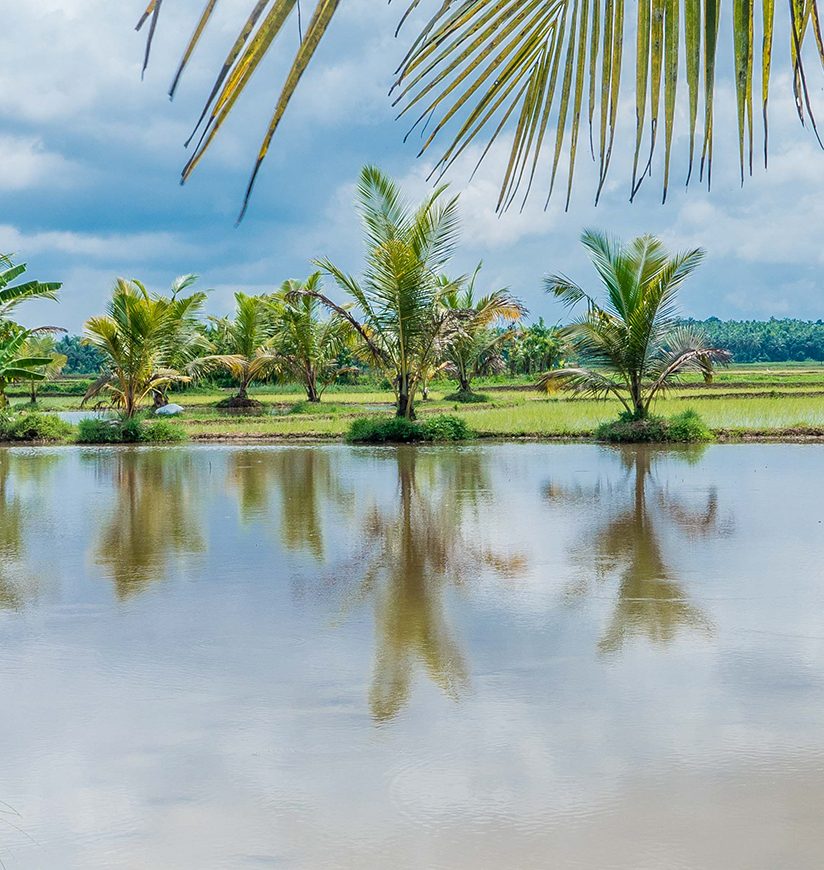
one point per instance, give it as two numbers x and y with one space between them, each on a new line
502 656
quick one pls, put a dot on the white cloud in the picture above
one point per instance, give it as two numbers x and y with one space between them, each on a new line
25 162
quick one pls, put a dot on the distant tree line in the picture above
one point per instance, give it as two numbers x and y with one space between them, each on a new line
532 349
774 340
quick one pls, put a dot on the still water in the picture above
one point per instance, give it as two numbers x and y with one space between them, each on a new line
506 656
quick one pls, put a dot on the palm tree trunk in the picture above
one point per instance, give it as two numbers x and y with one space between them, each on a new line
312 393
405 399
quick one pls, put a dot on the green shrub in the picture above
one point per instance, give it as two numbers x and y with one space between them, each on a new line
162 431
397 430
445 427
467 397
384 430
133 431
96 430
32 426
686 427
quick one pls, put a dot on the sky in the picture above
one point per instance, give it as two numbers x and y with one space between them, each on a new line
90 158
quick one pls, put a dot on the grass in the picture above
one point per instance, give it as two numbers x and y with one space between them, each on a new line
756 399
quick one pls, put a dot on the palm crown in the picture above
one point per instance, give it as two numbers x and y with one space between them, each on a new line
631 345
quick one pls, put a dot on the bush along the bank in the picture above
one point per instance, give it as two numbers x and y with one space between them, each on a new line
32 426
98 430
398 430
684 428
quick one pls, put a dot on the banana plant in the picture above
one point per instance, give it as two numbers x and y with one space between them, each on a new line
15 363
11 294
539 73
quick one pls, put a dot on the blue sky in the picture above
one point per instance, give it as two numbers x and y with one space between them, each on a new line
90 159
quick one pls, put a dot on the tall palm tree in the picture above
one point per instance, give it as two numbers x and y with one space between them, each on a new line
477 349
482 69
246 346
631 346
404 323
139 338
11 294
308 346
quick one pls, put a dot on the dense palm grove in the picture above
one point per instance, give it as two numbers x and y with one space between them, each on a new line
784 340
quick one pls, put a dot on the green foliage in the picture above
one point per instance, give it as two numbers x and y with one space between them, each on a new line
143 337
243 344
404 323
785 340
60 387
630 344
81 359
128 430
317 408
308 346
384 430
522 75
533 349
686 427
32 426
399 430
446 427
467 397
97 430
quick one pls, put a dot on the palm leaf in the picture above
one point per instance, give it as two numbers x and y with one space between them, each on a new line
479 67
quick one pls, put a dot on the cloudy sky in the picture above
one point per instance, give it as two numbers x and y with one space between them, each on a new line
90 159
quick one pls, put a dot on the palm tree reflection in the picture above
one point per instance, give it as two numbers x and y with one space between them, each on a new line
306 483
651 601
157 516
412 551
19 512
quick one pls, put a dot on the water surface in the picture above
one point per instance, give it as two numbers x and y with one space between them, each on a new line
493 656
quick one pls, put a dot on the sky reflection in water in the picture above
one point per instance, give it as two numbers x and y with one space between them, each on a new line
498 656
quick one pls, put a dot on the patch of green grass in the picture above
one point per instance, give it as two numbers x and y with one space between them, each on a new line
398 430
133 431
33 426
684 428
467 397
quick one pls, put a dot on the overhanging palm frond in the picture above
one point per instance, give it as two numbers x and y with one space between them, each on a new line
537 71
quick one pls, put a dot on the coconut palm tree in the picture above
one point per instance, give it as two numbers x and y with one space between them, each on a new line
537 71
139 337
308 346
189 341
11 294
477 349
16 362
404 323
631 345
44 346
246 345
